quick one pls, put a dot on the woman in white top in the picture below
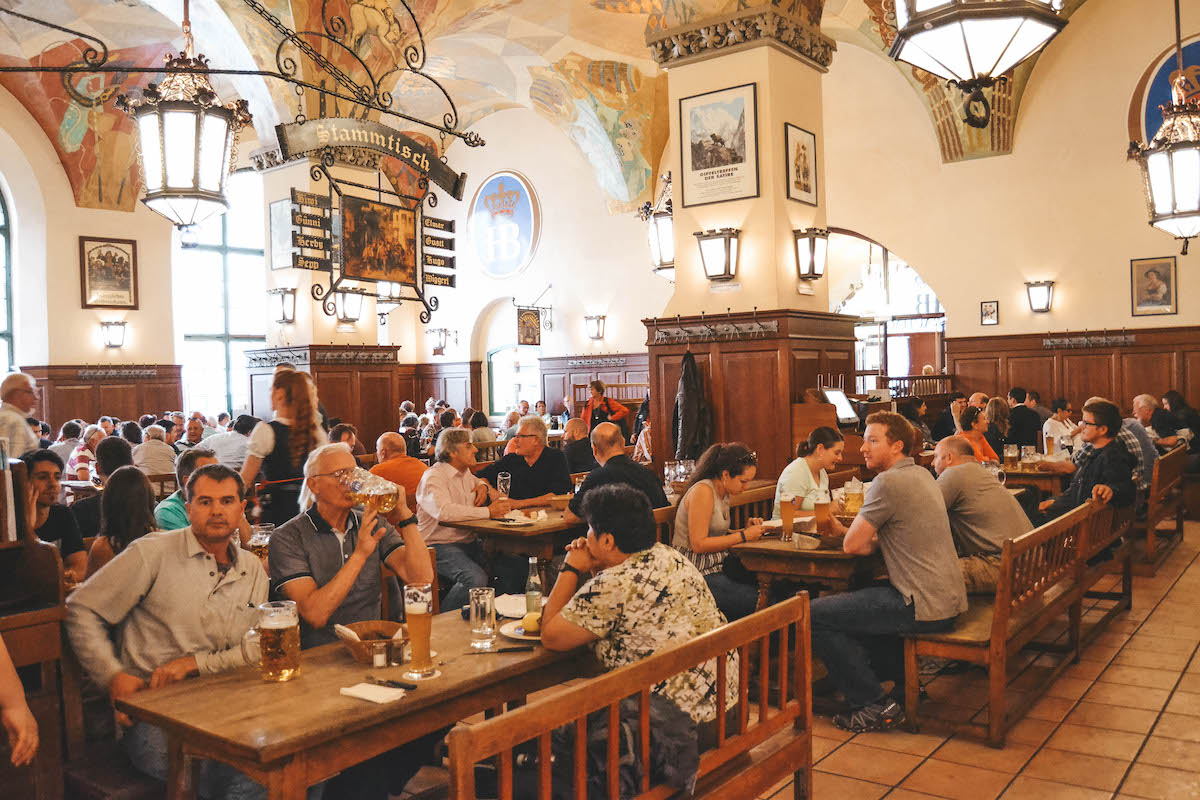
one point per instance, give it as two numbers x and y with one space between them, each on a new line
1060 424
808 475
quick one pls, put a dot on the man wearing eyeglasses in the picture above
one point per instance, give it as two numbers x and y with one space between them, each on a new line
1103 471
537 471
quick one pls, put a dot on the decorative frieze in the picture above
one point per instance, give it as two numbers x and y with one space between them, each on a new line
115 373
748 27
1076 342
716 332
271 157
596 362
277 355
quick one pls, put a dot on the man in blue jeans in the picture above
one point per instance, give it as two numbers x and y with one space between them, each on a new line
858 634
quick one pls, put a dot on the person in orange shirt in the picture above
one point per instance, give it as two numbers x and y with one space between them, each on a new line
602 409
974 426
397 466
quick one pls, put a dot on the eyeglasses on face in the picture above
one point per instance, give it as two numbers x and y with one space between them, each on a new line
341 475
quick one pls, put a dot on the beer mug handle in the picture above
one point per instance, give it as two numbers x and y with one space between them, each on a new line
252 648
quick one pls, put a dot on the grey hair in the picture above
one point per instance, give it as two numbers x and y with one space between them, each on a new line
156 432
1145 401
448 440
90 431
533 424
307 498
16 380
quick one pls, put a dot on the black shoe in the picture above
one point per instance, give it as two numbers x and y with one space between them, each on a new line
881 716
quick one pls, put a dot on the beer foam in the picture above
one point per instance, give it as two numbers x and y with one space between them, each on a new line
416 608
276 623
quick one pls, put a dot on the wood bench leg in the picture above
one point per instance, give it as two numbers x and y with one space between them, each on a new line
912 684
802 784
764 591
1075 628
997 702
182 771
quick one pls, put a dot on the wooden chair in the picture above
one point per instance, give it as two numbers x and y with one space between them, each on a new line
368 460
664 524
385 591
1164 502
1039 580
1109 527
840 478
752 752
491 451
753 503
164 485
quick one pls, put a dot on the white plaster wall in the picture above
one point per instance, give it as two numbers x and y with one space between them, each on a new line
1066 205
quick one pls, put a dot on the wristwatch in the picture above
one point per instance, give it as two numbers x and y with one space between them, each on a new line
568 568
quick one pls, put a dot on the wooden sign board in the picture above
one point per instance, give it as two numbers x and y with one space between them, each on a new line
441 242
309 262
302 220
307 242
437 260
309 199
435 224
433 279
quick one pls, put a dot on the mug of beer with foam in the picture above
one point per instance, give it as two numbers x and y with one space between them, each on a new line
274 644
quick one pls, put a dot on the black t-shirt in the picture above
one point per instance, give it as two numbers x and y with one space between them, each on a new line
87 515
580 457
622 469
1024 426
549 474
1163 423
60 528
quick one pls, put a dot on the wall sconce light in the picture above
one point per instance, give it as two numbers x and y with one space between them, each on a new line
1041 295
347 305
441 337
812 253
595 326
283 305
114 333
719 253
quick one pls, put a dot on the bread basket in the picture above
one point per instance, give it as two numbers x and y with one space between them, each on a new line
374 629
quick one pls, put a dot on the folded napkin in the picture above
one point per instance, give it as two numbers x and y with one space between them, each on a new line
345 633
516 515
373 693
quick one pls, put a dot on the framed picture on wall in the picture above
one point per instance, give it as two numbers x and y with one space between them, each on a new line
989 312
719 133
1153 286
800 160
281 234
108 273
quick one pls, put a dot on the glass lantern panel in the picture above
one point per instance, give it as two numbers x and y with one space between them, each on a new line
803 256
151 146
1159 169
733 255
987 40
652 240
913 54
901 14
926 5
946 45
1180 227
213 132
712 254
665 225
1186 162
1031 36
821 252
179 144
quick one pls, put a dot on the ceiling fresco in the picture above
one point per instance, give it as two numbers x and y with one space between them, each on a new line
583 65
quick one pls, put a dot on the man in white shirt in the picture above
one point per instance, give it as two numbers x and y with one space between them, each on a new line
230 446
19 396
154 456
449 493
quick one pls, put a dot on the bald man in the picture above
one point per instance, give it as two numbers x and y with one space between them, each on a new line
983 514
397 466
577 448
979 400
608 446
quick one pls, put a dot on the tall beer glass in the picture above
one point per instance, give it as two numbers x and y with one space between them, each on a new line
275 643
418 613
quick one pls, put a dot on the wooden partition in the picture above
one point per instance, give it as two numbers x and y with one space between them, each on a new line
88 391
559 374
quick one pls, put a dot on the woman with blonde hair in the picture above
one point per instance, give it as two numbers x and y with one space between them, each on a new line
996 434
279 447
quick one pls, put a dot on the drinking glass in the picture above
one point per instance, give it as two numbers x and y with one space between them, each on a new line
1028 454
824 518
274 644
1012 454
996 470
260 537
418 613
483 618
669 470
503 483
787 511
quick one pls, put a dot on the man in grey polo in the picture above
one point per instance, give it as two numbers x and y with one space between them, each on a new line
327 559
983 514
858 634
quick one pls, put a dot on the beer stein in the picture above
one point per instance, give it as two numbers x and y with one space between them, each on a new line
371 491
260 538
274 644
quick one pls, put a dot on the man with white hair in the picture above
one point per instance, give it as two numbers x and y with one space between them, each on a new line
154 456
537 471
1156 420
19 396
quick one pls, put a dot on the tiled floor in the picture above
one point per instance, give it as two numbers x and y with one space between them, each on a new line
1123 723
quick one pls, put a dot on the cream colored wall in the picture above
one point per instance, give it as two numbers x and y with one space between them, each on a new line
1066 205
50 325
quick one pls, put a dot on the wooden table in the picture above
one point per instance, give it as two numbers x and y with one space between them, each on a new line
772 558
291 735
542 539
80 489
1049 483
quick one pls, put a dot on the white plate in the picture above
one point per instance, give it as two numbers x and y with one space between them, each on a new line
514 523
513 605
513 630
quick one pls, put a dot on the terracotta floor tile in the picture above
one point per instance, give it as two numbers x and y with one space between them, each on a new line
1163 752
1077 769
854 760
1050 708
1160 783
907 794
1171 630
1027 788
823 727
1030 731
778 789
917 744
1152 660
1068 688
1185 703
1099 652
1116 694
1120 745
828 785
1178 726
1084 670
1159 644
823 747
1098 715
975 753
1140 676
957 781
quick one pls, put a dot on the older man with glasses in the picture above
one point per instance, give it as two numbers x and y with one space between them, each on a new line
537 471
20 399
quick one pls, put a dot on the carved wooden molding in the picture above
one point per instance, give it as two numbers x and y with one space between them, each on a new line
741 30
277 355
596 362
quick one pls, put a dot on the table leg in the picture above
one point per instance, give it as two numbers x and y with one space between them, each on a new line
182 771
287 783
764 590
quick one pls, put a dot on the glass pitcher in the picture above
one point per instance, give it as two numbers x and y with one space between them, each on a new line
274 643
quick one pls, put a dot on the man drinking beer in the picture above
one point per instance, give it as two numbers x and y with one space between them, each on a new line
181 601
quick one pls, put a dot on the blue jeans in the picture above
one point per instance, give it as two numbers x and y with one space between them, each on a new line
858 637
735 600
461 565
146 747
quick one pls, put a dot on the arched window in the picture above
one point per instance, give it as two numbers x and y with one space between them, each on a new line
220 304
6 309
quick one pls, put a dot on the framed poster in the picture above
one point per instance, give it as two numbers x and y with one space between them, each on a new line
989 312
719 133
800 158
379 242
108 272
505 224
1153 286
529 326
281 234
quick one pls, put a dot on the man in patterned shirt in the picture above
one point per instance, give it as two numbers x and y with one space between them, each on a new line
641 597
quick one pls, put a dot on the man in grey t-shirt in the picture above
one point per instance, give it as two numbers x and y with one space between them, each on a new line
983 514
904 514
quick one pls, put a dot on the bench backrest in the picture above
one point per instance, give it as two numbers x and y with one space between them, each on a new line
1168 475
754 503
840 478
791 706
1032 564
163 484
664 524
1108 524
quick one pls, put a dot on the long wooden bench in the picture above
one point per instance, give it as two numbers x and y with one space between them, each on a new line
1164 502
750 756
1110 527
753 503
1039 580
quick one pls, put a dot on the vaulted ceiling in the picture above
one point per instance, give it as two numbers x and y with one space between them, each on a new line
583 64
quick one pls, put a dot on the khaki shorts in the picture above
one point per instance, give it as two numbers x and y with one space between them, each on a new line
980 573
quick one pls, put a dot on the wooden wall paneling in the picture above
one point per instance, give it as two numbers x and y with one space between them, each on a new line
758 423
87 391
1037 372
406 387
835 362
806 369
1190 382
118 400
1086 375
566 371
336 390
977 375
63 402
636 376
457 392
377 406
155 398
1146 373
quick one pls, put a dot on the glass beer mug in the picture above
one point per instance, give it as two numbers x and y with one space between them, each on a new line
418 614
371 491
274 644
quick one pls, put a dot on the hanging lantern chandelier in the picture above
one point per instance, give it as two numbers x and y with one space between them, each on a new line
973 43
187 139
659 217
1170 163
